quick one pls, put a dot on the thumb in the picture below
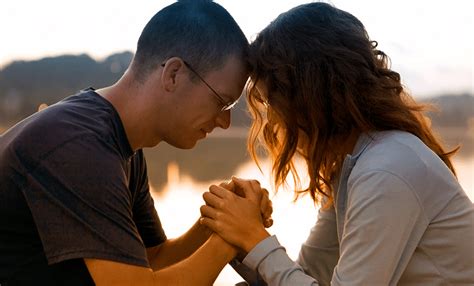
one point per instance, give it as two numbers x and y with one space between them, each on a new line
229 185
245 189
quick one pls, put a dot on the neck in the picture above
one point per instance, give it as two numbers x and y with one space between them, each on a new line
125 96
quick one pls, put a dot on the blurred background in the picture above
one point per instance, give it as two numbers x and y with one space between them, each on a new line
51 49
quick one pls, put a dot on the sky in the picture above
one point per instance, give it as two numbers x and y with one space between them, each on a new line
430 43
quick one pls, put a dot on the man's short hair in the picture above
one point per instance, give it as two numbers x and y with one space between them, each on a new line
200 32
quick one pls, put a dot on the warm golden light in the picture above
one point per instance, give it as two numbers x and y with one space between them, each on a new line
178 207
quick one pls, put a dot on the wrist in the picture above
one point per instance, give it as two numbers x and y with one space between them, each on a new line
240 255
202 231
223 246
253 240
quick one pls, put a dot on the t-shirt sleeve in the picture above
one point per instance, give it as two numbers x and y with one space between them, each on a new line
79 198
144 213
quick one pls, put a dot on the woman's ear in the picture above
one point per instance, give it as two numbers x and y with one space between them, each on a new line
172 70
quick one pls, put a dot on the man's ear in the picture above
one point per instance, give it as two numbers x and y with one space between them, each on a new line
172 71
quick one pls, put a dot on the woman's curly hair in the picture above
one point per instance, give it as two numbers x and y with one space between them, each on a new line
324 78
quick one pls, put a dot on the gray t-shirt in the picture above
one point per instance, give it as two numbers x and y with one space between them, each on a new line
72 188
400 218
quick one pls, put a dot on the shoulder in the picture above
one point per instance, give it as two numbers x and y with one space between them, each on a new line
399 153
399 162
77 118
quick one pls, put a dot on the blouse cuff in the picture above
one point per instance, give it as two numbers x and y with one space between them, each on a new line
263 249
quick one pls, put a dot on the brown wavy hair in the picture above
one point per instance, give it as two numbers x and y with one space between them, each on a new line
324 80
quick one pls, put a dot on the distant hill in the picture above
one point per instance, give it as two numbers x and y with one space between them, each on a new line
24 85
453 110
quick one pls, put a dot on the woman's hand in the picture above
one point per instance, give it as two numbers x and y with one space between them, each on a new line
266 205
236 217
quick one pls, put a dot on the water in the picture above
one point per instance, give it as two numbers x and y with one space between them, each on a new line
179 204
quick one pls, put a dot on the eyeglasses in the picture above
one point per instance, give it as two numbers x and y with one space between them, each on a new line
225 105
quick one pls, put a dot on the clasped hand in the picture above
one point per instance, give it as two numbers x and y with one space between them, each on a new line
238 211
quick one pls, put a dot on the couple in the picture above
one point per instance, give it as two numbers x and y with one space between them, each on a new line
75 207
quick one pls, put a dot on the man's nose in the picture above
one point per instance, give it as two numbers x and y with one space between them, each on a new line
223 120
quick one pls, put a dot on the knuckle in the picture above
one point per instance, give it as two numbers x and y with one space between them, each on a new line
218 226
255 182
226 185
221 205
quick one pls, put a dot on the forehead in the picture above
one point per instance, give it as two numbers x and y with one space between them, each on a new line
229 80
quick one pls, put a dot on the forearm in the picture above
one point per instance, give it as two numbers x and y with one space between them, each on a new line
201 268
175 250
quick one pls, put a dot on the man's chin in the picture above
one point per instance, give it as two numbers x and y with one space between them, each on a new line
186 147
183 145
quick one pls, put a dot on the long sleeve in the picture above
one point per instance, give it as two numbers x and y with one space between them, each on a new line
272 262
316 261
401 218
383 225
320 252
377 238
251 277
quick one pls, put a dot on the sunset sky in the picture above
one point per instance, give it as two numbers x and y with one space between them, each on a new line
430 42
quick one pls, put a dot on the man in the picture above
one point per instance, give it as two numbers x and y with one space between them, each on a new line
75 207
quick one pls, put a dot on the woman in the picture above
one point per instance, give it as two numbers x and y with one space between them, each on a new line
392 211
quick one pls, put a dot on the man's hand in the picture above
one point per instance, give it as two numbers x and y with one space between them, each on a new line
236 218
